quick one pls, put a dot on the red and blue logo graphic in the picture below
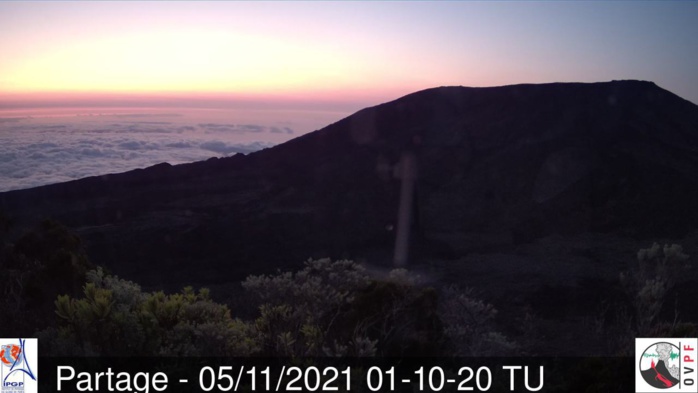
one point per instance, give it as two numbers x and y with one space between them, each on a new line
17 372
10 355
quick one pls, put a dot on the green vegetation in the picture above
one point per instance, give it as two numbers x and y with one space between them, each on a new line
659 270
114 317
36 267
647 287
328 308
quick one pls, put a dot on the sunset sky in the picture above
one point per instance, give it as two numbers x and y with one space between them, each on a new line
349 54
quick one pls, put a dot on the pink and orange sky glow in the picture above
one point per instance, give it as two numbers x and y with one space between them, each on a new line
342 54
95 87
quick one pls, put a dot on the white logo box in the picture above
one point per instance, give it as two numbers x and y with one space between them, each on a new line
19 365
675 362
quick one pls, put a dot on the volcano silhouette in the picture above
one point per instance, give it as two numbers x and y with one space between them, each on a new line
498 168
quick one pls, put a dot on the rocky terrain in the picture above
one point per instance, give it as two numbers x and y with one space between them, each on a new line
538 195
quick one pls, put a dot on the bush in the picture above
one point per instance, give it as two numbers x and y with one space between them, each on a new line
335 309
469 325
659 270
298 310
41 264
114 318
328 308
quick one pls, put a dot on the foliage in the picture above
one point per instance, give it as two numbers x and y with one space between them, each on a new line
659 270
299 309
61 258
469 324
674 330
321 286
335 309
400 314
328 308
114 317
42 263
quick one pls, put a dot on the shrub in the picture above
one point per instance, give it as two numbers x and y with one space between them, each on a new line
469 324
42 263
399 315
659 270
115 318
335 309
328 308
298 310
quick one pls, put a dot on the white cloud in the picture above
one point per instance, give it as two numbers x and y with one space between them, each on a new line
36 152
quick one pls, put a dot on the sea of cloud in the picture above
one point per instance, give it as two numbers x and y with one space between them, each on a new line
39 150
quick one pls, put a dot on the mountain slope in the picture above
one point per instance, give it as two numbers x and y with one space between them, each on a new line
497 168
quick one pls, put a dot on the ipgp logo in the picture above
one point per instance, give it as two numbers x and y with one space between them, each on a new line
19 365
665 365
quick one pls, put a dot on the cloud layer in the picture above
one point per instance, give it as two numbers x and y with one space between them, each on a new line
35 152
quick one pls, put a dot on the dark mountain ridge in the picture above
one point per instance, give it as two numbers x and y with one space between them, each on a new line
498 168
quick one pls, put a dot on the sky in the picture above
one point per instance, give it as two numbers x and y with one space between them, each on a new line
95 87
340 55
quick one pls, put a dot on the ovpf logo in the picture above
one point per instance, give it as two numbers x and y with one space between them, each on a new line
19 367
665 365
